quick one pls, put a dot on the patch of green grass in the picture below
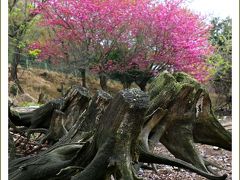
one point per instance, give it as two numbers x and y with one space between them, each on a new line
27 104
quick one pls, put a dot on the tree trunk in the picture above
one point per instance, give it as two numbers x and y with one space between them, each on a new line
142 84
14 65
61 89
14 69
42 98
104 137
103 81
83 75
126 85
126 81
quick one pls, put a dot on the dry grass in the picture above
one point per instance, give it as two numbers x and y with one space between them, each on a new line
34 81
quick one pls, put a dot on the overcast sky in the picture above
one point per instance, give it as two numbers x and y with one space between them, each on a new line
216 8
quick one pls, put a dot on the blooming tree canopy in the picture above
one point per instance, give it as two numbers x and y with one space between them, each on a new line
116 35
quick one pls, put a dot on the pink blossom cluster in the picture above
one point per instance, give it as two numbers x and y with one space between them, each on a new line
149 32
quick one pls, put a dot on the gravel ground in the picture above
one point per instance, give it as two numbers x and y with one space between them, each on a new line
221 157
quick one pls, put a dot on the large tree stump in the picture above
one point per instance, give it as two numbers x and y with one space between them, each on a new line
104 137
180 114
122 127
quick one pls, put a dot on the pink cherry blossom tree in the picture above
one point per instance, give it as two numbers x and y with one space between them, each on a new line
85 31
151 36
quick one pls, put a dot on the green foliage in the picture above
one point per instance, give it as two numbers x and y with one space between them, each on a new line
117 55
221 34
221 61
221 66
21 45
20 28
221 38
34 53
27 104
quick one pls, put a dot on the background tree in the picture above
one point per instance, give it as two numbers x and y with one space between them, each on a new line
21 31
164 37
83 32
221 38
129 39
20 19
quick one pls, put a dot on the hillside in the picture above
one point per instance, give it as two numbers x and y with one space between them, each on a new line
34 81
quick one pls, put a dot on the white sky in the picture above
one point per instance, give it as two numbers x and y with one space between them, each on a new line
216 8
